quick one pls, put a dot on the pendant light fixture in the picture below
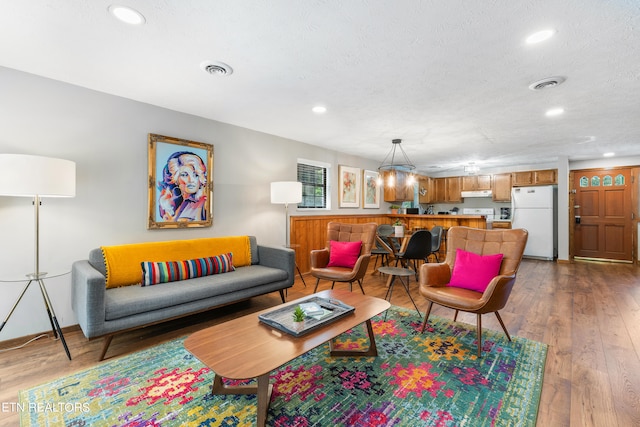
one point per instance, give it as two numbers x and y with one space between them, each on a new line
391 165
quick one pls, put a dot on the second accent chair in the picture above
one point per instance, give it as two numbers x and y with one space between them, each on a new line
322 268
470 252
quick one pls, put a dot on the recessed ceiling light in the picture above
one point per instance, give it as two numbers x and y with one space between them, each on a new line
127 15
540 36
319 109
547 83
554 112
216 68
610 154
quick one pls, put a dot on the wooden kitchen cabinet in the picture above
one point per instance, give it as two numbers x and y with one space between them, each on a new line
453 189
446 190
501 191
400 191
439 186
548 176
424 190
476 182
501 224
535 177
522 178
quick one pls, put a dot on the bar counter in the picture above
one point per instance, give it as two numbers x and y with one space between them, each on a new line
446 221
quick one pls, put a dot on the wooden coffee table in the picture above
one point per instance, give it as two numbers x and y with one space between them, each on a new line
247 348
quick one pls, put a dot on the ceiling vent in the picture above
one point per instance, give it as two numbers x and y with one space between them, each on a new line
216 68
547 83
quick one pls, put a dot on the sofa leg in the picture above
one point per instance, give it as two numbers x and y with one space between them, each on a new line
282 296
105 346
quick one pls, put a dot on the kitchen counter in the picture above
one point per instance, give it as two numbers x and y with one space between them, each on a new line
445 221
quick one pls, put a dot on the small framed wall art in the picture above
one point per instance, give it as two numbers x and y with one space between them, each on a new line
349 187
371 189
180 183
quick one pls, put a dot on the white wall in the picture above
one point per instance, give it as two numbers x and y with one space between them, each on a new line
107 138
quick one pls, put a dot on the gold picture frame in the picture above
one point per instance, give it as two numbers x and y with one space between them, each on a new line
180 183
371 189
349 186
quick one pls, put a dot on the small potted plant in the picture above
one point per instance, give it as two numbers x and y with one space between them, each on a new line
298 318
398 228
394 209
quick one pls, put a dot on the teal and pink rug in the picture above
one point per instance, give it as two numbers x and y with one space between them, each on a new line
430 379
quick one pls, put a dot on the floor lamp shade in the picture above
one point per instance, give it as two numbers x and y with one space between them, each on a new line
27 176
285 192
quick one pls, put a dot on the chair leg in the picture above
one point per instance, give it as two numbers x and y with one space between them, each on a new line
360 284
455 316
333 284
426 316
502 324
316 288
479 334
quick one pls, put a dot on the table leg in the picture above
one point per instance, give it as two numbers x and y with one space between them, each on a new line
371 351
263 391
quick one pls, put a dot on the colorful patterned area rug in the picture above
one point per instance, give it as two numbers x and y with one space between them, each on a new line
431 379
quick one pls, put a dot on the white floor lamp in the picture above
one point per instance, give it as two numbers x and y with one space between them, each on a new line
285 192
35 176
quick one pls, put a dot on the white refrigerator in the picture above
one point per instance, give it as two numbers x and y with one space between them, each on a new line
533 208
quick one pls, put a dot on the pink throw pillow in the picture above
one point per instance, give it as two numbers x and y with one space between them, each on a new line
344 254
473 271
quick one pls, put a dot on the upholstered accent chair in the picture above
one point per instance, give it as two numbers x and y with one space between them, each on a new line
340 232
435 278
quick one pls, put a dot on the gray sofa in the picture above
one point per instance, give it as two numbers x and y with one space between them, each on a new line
103 312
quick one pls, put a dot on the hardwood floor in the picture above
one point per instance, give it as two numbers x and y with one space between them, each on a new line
588 314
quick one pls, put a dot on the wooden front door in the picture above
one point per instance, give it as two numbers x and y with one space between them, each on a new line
602 214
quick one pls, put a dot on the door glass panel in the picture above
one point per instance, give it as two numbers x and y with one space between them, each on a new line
620 179
595 181
607 181
584 181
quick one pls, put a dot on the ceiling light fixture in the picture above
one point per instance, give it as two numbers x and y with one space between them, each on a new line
403 164
547 83
319 109
126 14
472 168
609 154
540 36
216 68
554 112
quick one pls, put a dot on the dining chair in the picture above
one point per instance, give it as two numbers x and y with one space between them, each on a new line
418 248
436 241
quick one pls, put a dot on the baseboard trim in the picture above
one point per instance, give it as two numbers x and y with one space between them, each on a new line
18 341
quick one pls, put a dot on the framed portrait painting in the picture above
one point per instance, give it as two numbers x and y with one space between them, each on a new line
349 187
180 183
371 190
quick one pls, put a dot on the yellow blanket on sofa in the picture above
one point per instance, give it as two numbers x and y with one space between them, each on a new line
123 261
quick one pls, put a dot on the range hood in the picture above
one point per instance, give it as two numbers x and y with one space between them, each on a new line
478 193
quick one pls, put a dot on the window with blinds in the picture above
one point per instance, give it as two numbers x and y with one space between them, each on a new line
313 176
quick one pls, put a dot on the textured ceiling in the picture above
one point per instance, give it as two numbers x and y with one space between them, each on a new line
450 78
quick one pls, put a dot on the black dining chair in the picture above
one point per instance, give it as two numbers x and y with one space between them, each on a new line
382 248
418 248
436 241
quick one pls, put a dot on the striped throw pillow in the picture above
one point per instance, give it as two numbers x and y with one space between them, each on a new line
154 272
